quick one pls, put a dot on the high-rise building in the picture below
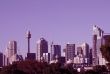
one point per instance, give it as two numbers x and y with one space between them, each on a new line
70 52
42 47
1 59
94 51
85 48
82 57
55 51
90 57
11 51
97 43
12 48
79 50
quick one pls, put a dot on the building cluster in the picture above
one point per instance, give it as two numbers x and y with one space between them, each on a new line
78 55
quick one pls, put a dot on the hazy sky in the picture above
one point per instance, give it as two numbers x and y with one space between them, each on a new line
61 21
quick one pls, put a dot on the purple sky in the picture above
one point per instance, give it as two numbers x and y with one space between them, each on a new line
61 21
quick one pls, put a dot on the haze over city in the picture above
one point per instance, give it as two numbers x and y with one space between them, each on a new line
60 21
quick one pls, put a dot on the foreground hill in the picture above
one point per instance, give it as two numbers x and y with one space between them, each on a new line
34 67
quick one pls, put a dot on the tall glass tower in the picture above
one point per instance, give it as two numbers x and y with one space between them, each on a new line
42 48
97 43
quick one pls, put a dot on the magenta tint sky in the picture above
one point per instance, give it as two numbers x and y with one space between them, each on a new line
61 21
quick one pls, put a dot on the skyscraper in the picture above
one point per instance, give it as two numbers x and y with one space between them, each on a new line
70 52
55 51
85 48
97 42
1 59
11 51
79 50
42 47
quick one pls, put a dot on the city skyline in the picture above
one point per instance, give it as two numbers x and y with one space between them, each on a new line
58 21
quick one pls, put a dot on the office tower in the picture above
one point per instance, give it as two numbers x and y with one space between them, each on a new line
90 57
42 47
55 51
11 52
85 48
12 48
28 39
86 52
70 52
1 59
97 42
94 53
79 50
79 58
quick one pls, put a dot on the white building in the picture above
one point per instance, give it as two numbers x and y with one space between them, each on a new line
11 52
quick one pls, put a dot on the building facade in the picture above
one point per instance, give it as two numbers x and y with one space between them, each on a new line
79 50
85 48
46 57
97 43
11 52
1 59
55 51
70 52
107 40
42 47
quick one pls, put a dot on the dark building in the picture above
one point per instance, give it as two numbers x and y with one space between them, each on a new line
90 57
61 59
55 51
107 40
70 52
94 53
42 47
1 59
20 57
31 56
